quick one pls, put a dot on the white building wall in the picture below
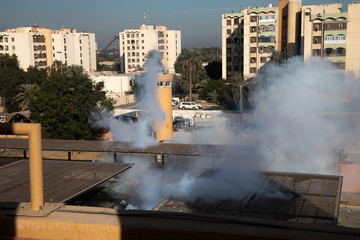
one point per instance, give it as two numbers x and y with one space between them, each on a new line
64 45
23 44
173 48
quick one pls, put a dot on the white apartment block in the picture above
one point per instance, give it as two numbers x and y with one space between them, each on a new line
40 47
135 44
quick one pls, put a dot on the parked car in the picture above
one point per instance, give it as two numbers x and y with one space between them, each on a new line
190 105
104 197
174 102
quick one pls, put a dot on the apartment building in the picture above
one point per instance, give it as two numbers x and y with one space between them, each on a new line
135 44
315 32
249 38
40 47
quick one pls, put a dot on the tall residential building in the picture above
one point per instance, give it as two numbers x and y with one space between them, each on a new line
135 44
315 32
40 47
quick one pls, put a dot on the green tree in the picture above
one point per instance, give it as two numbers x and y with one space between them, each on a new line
11 76
277 56
190 60
26 95
66 101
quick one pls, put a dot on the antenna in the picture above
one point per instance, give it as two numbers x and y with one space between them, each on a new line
240 7
149 19
264 3
144 18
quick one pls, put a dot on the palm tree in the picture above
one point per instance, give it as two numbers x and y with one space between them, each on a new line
191 59
277 56
26 94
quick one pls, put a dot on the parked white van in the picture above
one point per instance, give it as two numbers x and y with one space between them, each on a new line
189 105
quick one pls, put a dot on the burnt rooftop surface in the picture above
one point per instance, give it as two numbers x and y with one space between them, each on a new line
315 200
63 180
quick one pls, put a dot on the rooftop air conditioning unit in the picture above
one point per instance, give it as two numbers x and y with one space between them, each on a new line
319 14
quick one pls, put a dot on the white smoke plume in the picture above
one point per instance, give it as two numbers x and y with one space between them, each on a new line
295 134
294 126
139 134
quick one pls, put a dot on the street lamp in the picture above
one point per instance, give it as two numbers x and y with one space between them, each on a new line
240 92
241 102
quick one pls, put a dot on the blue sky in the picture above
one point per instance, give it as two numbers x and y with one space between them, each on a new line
198 20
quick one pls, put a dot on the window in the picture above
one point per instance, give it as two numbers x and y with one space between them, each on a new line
228 68
329 37
236 21
167 83
340 37
253 49
316 39
228 31
253 29
317 26
316 52
252 70
13 39
13 47
253 39
128 41
271 28
328 52
228 50
252 60
253 19
340 52
6 47
228 59
263 59
228 41
160 84
284 17
228 22
236 68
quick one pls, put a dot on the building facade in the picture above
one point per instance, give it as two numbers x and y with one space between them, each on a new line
40 47
135 44
315 32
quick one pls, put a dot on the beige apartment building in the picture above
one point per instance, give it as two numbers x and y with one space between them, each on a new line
135 44
315 32
40 47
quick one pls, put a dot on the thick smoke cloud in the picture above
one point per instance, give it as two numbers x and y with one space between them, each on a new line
139 134
294 126
294 129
